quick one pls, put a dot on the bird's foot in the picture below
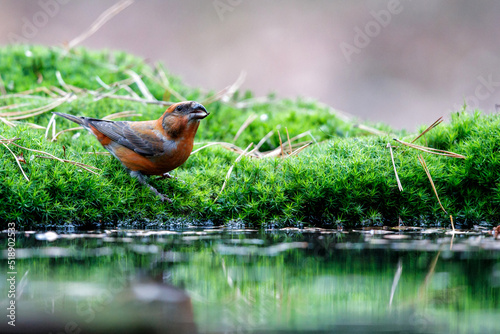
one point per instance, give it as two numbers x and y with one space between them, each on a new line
168 176
164 198
142 180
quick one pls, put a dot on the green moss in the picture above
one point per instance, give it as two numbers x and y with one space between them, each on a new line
347 178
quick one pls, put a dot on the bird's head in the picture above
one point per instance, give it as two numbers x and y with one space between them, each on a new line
189 109
183 115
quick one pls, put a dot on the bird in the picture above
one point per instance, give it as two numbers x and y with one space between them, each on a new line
149 147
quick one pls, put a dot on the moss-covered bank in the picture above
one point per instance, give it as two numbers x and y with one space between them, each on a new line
345 177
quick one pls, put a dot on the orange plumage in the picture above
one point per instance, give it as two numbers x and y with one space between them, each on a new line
149 147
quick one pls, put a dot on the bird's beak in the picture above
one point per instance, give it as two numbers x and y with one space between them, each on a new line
198 112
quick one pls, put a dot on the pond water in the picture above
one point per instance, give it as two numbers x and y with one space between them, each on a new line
220 280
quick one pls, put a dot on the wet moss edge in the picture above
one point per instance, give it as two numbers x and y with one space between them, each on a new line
346 179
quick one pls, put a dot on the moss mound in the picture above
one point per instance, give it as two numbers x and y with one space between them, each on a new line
344 177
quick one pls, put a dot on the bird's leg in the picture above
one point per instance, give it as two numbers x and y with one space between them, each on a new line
142 180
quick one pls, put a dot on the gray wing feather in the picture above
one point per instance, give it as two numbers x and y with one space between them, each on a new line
121 133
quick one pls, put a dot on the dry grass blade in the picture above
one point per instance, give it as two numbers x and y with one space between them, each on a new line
424 165
102 83
126 113
2 87
263 140
27 94
17 161
303 134
166 85
105 86
207 145
8 141
7 122
66 130
12 106
339 113
400 187
231 170
163 81
30 125
37 151
138 99
395 282
281 145
50 156
58 91
431 150
98 153
432 126
288 138
69 88
235 86
370 130
61 81
132 93
230 147
22 96
5 143
245 124
52 123
452 225
40 90
250 102
226 93
429 275
277 151
142 86
300 149
101 20
16 115
79 164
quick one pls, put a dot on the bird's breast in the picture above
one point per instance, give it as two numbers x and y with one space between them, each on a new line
175 153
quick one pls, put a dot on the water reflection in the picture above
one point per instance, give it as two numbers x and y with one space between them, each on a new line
223 281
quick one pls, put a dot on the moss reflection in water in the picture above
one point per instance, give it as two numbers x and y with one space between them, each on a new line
262 281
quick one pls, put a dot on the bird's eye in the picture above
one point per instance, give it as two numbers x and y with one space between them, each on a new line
179 108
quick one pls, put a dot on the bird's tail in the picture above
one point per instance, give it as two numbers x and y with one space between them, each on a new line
76 119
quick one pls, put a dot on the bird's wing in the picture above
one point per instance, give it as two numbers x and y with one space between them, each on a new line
142 142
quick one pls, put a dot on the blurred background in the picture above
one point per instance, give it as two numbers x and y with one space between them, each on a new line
401 62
